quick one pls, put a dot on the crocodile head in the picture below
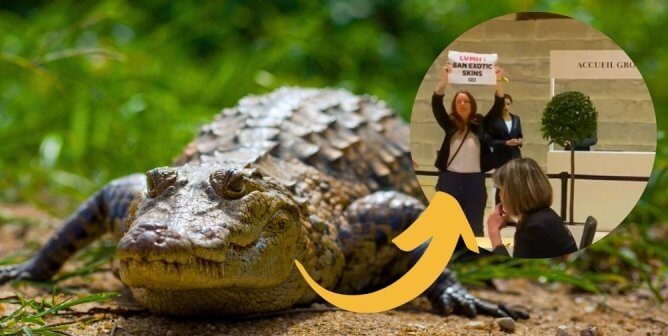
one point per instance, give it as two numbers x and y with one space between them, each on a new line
199 227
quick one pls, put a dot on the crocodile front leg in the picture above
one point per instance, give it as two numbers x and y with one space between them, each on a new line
448 296
103 212
372 261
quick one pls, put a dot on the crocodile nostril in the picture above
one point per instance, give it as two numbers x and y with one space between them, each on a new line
150 226
143 238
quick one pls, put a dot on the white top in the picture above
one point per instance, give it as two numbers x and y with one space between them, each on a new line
468 158
509 124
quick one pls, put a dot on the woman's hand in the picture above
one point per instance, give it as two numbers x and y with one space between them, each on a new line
514 142
447 70
496 222
443 84
499 80
499 73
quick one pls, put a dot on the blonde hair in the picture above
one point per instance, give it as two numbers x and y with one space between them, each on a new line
525 187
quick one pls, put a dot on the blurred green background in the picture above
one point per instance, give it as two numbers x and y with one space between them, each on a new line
90 91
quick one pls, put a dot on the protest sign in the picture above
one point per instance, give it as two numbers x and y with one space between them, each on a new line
471 68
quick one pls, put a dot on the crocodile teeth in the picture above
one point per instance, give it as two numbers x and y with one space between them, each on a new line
210 268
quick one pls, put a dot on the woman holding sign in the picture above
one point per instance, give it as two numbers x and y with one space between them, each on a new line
526 196
465 154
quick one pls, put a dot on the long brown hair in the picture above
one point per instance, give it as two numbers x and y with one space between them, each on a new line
525 187
474 118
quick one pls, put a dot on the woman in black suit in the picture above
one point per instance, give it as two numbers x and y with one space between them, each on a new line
464 156
526 196
505 136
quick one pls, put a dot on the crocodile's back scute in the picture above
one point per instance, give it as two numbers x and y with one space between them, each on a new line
354 138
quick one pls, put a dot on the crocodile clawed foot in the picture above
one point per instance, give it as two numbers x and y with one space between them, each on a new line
25 271
9 273
455 299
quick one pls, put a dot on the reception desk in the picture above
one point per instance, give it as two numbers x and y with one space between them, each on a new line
609 201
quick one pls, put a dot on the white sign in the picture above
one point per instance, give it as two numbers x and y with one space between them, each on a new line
592 64
471 68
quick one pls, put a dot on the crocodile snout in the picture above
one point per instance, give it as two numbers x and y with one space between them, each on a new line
168 255
148 236
153 241
156 241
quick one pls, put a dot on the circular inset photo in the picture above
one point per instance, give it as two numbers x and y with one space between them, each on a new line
541 127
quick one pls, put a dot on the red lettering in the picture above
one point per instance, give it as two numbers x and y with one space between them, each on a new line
465 58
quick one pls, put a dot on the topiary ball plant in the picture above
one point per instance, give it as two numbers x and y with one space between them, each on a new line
569 117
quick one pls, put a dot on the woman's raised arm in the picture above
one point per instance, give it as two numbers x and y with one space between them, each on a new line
499 81
437 107
445 79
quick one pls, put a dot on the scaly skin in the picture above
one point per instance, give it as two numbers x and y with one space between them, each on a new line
320 176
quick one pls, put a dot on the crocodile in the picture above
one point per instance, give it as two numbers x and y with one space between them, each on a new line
321 176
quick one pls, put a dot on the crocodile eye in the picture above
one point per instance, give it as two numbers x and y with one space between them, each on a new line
159 180
236 186
229 184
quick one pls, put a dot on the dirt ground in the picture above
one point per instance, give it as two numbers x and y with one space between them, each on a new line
551 306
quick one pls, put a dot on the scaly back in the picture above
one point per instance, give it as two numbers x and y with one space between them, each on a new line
349 137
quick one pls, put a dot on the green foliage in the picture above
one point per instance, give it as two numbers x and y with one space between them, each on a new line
635 255
499 267
90 91
94 91
569 116
29 318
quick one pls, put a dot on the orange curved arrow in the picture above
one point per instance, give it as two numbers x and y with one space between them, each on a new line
443 221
